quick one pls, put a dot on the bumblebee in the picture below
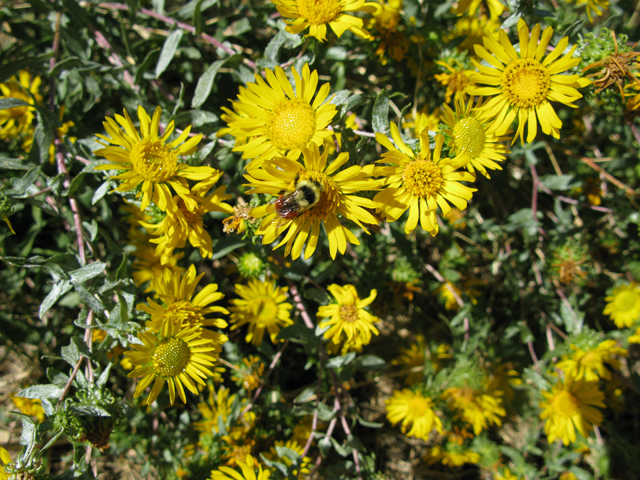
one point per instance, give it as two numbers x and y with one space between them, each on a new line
305 196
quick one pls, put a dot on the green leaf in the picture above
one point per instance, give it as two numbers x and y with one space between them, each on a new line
342 451
58 290
87 272
11 102
168 51
89 300
13 164
365 423
306 395
72 352
76 183
237 28
297 331
325 446
104 376
225 246
89 410
281 39
558 182
337 362
66 64
41 392
370 362
205 82
100 192
380 115
13 68
145 65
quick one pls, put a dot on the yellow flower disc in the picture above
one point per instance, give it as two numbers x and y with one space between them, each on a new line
422 178
469 136
265 310
526 82
318 12
184 312
418 406
349 313
565 404
329 198
153 160
625 301
292 124
171 357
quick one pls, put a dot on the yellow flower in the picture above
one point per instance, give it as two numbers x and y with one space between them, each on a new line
147 267
291 445
444 292
624 305
218 405
476 407
317 14
30 406
456 80
590 364
635 338
235 453
5 458
593 6
415 410
473 29
350 325
174 356
148 160
278 120
523 86
412 358
248 472
452 455
263 306
16 121
422 122
570 406
386 28
470 141
469 7
507 475
180 309
249 373
419 183
182 224
283 175
567 476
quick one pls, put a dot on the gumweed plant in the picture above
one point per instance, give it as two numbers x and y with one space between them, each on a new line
299 239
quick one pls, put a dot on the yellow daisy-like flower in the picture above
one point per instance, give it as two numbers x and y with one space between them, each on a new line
350 325
507 475
590 364
147 267
180 309
29 406
469 7
292 445
17 120
263 306
412 358
248 472
456 80
386 28
317 14
5 458
274 120
282 175
419 183
476 407
570 406
522 86
415 410
219 404
470 141
174 356
593 6
182 224
473 29
452 455
635 338
567 476
623 306
149 160
235 453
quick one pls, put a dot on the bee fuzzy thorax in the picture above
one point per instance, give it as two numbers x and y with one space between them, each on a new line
305 196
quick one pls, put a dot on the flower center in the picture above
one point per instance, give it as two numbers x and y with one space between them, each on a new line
319 12
192 218
291 125
565 404
457 81
184 312
625 301
418 407
526 82
349 313
422 178
153 160
265 310
329 198
469 136
171 357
